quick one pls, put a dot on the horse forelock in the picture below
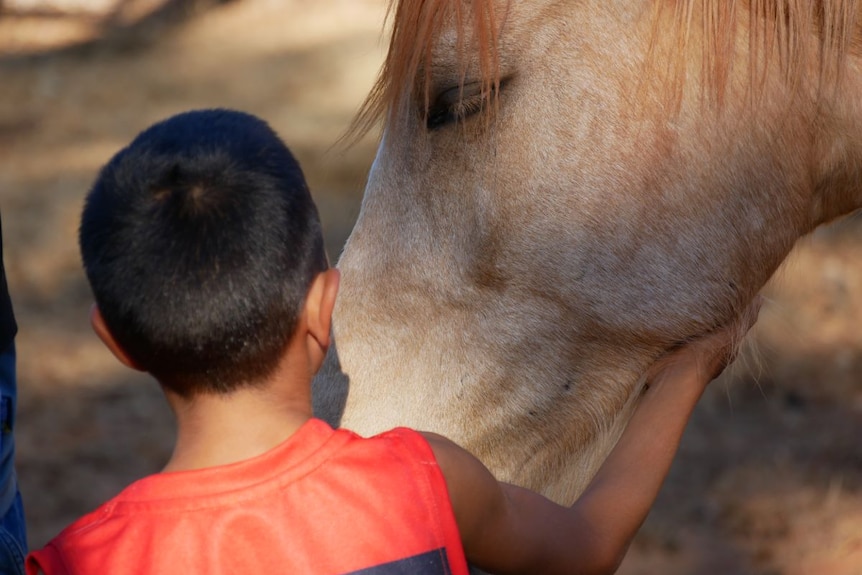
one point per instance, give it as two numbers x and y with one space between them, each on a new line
779 30
416 27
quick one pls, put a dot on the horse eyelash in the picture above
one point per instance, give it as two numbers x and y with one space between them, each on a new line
468 107
443 113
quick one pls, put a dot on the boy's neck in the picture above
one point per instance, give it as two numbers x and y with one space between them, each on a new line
214 430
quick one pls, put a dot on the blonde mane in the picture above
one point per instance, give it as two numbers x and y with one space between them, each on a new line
781 31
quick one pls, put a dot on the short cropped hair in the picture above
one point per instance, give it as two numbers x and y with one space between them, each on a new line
200 241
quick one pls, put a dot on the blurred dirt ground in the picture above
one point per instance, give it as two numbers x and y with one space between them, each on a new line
769 479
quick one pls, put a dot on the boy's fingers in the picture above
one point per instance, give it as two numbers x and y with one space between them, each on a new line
726 340
715 350
749 317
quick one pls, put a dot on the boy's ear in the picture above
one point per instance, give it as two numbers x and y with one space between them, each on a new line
319 304
101 329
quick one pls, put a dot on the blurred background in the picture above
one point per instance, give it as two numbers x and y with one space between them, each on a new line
769 478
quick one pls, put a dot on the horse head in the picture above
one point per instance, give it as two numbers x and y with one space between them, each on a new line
565 190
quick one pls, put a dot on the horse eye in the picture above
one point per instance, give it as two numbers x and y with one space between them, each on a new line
455 105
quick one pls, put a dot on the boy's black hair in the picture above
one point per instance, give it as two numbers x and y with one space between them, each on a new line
200 241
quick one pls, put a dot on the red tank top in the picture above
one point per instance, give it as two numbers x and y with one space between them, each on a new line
324 502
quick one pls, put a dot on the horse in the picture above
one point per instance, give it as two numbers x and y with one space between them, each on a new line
562 192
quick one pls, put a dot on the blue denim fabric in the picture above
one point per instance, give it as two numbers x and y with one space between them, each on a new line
13 534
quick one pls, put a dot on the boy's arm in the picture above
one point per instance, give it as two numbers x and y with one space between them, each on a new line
507 529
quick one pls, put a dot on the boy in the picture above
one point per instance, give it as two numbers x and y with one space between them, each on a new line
205 255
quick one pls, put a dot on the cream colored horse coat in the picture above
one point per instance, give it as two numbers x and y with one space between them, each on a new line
563 190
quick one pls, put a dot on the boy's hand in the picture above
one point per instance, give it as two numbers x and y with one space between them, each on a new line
707 356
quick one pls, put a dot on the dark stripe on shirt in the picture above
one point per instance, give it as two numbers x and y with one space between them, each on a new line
431 563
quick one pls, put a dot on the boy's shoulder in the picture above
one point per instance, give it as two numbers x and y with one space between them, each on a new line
75 539
90 522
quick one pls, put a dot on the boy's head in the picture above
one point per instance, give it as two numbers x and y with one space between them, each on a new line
200 241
